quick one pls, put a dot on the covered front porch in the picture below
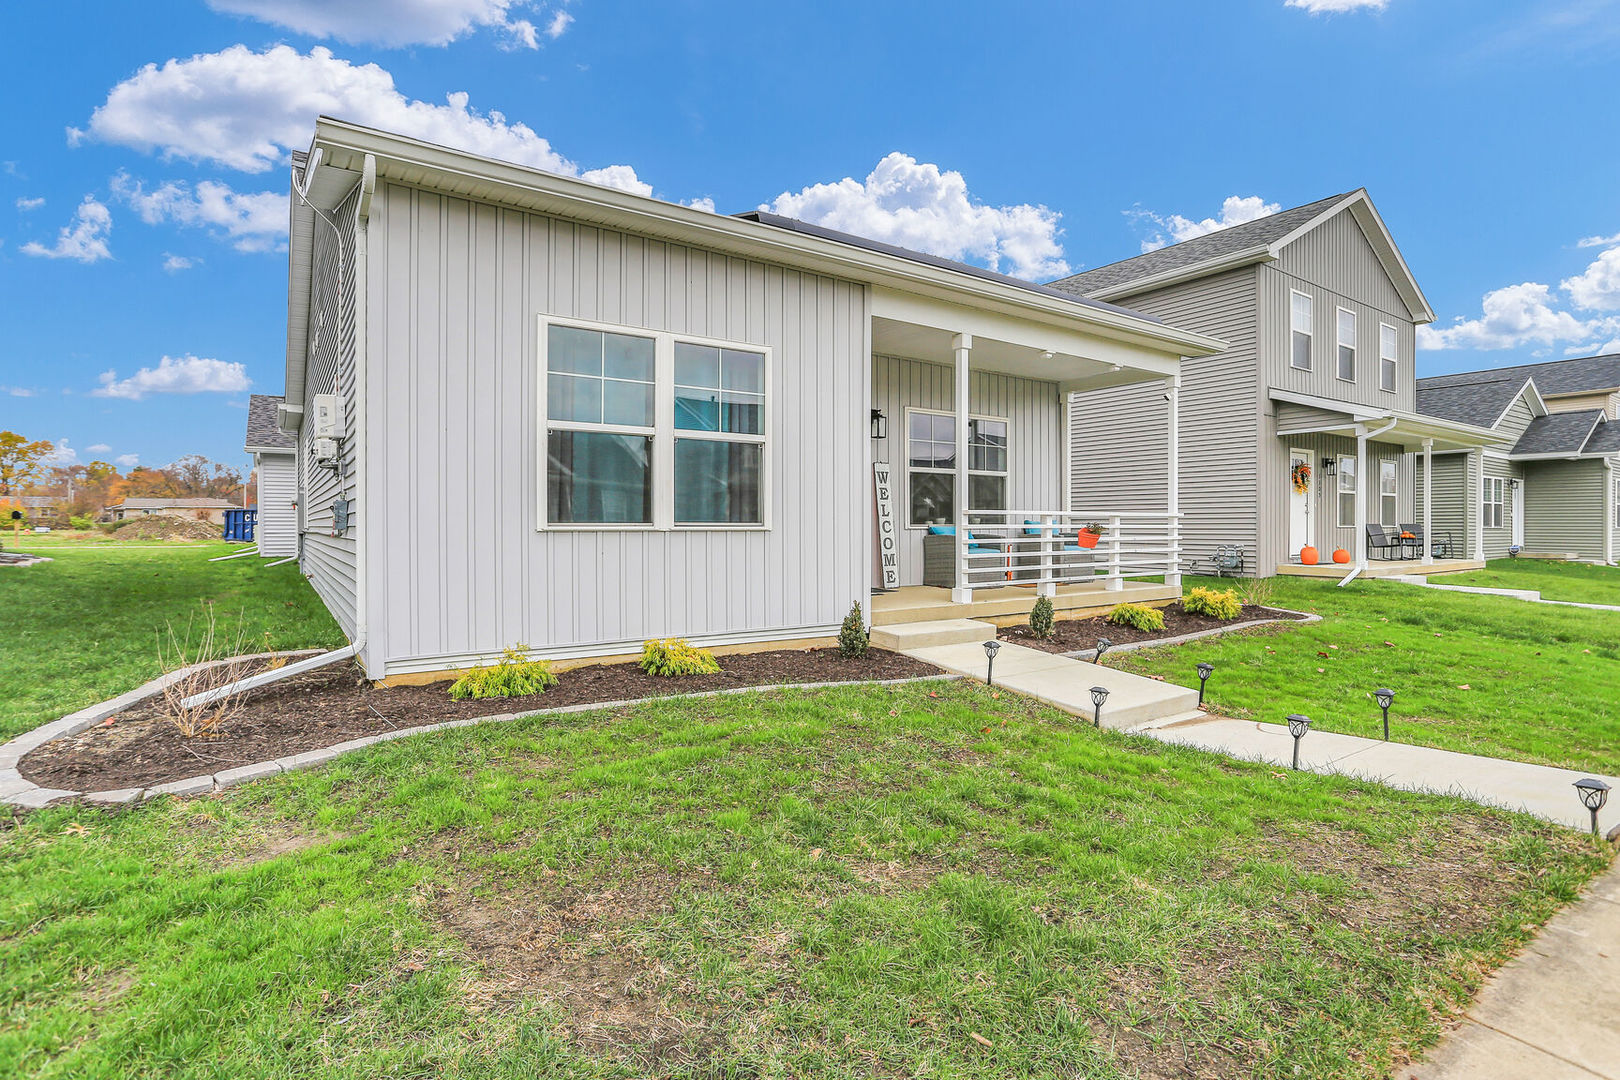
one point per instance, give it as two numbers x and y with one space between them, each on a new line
1398 568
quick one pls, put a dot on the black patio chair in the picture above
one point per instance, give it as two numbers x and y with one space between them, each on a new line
1443 546
1377 540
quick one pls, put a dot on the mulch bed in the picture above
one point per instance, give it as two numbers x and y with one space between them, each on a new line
335 704
1077 634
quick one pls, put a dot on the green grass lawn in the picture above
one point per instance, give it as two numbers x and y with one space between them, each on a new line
1482 674
85 627
866 881
1582 583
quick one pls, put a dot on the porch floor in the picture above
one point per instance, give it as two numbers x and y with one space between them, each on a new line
1010 604
1381 569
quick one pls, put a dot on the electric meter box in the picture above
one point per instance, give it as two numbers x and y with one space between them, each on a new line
327 410
325 450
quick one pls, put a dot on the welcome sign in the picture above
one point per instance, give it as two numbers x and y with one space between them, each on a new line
888 544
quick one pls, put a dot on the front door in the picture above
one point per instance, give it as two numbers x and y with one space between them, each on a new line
1299 502
1518 514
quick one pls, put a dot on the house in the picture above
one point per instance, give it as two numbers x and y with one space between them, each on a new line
1553 488
530 409
275 464
196 508
1306 428
37 509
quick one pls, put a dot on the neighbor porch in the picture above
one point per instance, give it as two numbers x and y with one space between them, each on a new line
1395 568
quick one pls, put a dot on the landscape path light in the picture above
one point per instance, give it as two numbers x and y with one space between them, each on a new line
991 647
1594 793
1099 694
1385 697
1297 727
1103 645
1205 668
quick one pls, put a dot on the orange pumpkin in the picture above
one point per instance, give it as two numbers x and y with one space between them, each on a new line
1341 556
1308 556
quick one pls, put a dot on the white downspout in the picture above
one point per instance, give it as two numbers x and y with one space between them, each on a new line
963 345
1172 396
362 221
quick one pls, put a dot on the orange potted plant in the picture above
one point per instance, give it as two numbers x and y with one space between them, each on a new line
1090 534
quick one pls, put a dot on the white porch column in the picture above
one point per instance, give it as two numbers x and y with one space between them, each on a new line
1361 497
1172 395
963 345
1478 499
1428 501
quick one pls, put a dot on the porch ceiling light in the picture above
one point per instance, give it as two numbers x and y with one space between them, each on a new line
991 647
1297 727
1205 670
1103 645
1047 354
880 424
1594 793
1099 694
1386 697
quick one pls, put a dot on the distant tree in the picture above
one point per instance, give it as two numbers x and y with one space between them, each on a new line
190 477
22 463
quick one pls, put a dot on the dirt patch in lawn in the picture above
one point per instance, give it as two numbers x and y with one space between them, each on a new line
165 527
1074 635
140 748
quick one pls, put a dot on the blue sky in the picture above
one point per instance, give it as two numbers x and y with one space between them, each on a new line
143 274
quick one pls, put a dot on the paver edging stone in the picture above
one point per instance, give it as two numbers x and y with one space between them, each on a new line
1305 618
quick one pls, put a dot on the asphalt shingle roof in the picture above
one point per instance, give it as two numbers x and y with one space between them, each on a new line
261 423
188 503
1605 439
1202 249
1477 403
1579 375
1557 433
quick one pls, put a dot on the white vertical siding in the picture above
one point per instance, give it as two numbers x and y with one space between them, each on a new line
276 530
1034 432
456 442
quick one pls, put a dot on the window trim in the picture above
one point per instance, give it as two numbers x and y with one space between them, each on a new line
1490 485
907 469
1340 491
1389 468
1338 343
663 431
1392 362
1310 352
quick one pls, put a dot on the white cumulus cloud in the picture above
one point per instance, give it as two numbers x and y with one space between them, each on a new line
175 263
61 457
558 24
97 448
1337 7
176 375
1597 288
1522 314
25 203
245 110
393 23
1174 228
253 221
1598 241
921 206
127 461
84 238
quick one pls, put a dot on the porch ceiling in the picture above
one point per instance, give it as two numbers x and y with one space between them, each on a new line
892 337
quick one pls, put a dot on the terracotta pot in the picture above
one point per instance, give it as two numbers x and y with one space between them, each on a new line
1087 538
1308 556
1341 556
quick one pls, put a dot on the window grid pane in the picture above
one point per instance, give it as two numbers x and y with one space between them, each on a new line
594 477
718 482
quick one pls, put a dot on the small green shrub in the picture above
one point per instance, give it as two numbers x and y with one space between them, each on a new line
853 640
1138 616
1041 617
514 675
1216 603
82 522
676 656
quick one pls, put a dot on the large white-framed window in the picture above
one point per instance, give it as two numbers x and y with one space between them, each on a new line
1388 492
1388 357
1301 309
1347 345
1347 491
931 465
651 430
1493 502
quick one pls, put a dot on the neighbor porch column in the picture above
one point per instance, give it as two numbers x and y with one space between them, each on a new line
1361 497
1479 503
963 345
1172 395
1428 501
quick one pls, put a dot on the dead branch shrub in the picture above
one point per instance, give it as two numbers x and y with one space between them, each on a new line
202 641
1258 591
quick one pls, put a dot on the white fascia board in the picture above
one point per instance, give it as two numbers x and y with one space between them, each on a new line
410 161
287 450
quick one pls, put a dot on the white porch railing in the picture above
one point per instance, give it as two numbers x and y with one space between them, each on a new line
1041 548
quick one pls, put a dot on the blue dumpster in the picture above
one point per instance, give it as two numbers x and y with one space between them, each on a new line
239 525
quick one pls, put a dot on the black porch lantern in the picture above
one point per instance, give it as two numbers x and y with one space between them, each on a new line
1099 694
1330 466
1297 727
991 647
1103 645
880 424
1205 669
1385 697
1594 793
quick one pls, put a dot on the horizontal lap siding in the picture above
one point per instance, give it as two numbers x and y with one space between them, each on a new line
276 529
1326 533
456 289
1564 508
1118 436
1033 410
329 561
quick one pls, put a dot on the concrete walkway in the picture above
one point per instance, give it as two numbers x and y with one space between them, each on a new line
1551 1013
1531 595
1541 790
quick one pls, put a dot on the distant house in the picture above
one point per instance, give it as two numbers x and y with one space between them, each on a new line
198 509
275 462
38 509
1553 488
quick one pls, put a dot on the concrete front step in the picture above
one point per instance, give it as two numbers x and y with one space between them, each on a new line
1133 701
903 637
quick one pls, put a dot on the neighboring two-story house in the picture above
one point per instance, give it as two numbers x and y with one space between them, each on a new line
1307 427
1553 488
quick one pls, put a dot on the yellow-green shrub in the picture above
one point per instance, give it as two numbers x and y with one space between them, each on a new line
676 656
1137 616
515 675
1216 603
